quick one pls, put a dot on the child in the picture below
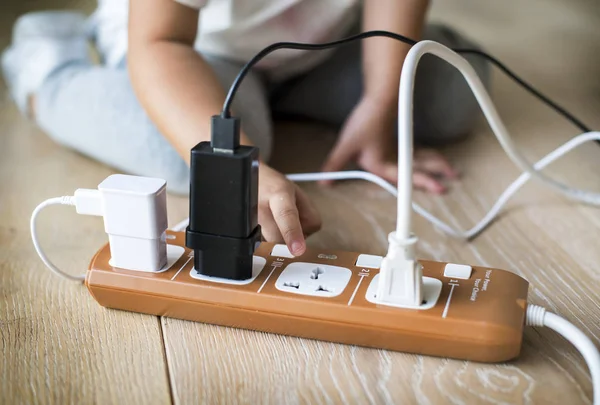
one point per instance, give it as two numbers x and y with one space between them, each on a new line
166 65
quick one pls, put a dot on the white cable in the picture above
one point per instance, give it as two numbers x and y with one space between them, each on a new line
488 218
538 316
454 232
66 200
405 148
405 132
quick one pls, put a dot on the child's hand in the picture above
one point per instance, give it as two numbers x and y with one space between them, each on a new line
429 166
284 212
367 138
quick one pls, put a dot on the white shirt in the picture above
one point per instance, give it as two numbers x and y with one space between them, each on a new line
238 29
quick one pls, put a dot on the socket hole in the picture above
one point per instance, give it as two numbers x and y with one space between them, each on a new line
293 284
315 273
324 289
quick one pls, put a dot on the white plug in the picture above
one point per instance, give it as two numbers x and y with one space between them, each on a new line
401 276
135 218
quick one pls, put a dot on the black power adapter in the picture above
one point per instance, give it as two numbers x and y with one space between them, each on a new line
223 230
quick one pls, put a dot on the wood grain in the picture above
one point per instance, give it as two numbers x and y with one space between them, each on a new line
59 346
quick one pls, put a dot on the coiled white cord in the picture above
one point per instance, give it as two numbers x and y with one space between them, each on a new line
538 316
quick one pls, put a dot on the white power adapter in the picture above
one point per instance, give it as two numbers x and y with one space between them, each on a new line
135 218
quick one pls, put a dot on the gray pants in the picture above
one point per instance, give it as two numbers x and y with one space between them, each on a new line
93 109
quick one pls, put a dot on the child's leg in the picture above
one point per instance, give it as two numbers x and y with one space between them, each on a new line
445 108
95 111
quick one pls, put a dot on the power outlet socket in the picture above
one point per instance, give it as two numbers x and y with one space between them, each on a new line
318 280
478 314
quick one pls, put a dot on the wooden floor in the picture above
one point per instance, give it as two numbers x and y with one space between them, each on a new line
58 346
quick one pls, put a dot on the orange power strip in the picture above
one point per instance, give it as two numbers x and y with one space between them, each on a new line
479 315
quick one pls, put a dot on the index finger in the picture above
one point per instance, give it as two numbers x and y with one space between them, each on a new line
285 212
434 163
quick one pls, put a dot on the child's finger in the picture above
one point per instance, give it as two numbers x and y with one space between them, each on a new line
428 183
387 171
269 229
309 216
342 153
434 163
438 167
285 214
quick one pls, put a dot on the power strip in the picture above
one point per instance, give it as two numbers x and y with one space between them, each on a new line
474 313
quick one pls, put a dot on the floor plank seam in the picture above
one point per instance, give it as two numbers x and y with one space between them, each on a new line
166 358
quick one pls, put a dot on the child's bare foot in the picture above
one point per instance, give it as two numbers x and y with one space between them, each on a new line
430 169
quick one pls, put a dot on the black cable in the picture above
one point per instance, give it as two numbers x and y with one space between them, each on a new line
225 113
545 99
